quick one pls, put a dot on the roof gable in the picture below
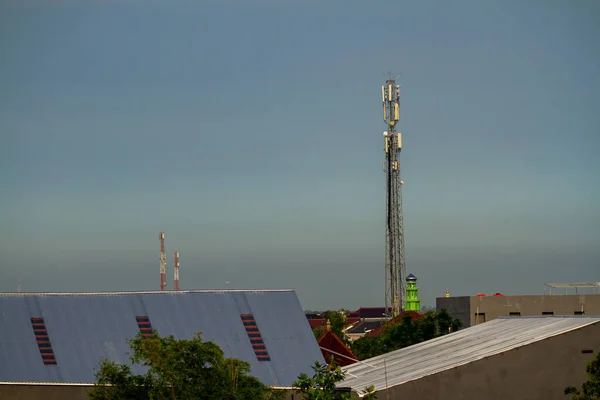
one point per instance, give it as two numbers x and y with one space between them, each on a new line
84 328
330 341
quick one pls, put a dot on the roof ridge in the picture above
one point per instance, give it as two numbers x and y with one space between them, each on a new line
162 292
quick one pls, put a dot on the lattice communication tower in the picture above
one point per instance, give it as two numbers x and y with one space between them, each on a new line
395 268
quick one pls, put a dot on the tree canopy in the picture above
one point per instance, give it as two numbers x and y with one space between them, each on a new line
178 369
322 385
590 390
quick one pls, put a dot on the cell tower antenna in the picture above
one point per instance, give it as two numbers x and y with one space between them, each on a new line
395 267
176 270
163 262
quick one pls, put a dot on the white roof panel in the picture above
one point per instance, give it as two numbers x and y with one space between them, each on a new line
568 285
458 348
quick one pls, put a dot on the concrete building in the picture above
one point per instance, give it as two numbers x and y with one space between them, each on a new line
52 343
473 310
507 358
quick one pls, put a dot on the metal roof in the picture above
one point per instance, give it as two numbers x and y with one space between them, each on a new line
567 285
87 327
363 326
458 348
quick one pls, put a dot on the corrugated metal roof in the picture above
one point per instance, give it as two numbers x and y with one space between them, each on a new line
85 328
458 348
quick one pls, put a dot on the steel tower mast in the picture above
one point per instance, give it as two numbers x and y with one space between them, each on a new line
395 268
176 270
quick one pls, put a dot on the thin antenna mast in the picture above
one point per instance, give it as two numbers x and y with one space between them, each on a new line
163 262
176 270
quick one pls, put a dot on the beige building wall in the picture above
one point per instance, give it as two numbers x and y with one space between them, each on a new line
540 370
26 391
489 307
473 310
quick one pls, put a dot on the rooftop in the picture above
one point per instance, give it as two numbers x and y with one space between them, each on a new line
574 285
61 337
458 348
364 326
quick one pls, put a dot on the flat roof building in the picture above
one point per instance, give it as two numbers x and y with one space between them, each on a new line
473 310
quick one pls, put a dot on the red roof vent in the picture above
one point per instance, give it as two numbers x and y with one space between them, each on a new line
144 325
255 337
498 294
480 294
43 340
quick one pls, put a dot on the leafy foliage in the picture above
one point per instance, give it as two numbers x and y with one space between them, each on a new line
321 386
405 333
590 390
178 369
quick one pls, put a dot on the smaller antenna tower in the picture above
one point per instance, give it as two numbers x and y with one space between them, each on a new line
163 262
176 270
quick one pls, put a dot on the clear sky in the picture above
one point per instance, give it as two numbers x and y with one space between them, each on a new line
250 132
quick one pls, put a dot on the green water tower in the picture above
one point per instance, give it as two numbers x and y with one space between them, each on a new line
413 303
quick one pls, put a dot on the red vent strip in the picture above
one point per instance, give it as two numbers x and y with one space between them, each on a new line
144 325
43 341
255 338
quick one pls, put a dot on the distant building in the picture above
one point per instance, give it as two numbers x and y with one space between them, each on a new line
373 327
363 328
507 358
473 310
50 342
352 317
368 312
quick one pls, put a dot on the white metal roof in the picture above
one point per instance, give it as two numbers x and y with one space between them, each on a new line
458 348
568 285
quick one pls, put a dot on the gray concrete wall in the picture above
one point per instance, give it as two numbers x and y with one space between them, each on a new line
457 307
538 371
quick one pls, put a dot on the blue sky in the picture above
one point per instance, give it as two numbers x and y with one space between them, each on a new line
251 134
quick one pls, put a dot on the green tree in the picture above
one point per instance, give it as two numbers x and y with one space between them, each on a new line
177 369
322 385
337 319
590 390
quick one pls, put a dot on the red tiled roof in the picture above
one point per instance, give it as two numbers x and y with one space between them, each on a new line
330 341
316 322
